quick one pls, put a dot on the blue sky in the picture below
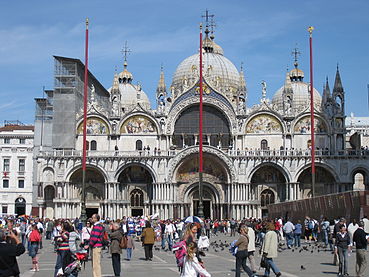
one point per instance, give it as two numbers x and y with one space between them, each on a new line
261 34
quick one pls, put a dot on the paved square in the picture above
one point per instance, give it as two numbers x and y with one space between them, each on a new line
218 263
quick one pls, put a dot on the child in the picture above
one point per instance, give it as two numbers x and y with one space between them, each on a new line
130 247
192 267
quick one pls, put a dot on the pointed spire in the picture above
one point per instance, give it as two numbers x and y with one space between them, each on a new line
161 89
242 80
337 82
326 92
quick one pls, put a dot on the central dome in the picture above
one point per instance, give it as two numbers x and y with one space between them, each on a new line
218 71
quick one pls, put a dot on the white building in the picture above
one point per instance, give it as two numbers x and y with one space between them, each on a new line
253 155
16 163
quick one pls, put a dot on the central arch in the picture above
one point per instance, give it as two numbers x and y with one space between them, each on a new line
210 199
138 180
216 128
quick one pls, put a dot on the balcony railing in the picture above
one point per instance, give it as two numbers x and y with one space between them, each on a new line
232 153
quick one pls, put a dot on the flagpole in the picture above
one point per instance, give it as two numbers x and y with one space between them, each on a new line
310 30
84 151
201 207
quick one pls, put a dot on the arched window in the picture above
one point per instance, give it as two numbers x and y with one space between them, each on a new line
267 197
93 145
264 144
137 198
138 144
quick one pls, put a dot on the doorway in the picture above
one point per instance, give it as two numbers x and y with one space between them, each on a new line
20 206
91 211
207 208
137 212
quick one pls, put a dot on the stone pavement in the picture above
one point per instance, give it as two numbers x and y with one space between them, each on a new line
218 263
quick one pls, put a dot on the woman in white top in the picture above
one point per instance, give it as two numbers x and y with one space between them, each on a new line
192 267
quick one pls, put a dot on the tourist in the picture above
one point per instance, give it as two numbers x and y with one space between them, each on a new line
270 250
192 266
366 224
351 228
251 249
148 240
34 238
63 253
233 225
297 234
324 230
85 238
342 247
130 247
8 253
361 242
242 252
95 243
49 228
115 236
169 232
288 229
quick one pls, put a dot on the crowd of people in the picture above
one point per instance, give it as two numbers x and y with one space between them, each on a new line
188 241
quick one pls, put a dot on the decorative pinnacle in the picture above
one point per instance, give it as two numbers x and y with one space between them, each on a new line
296 54
125 52
207 16
86 22
310 30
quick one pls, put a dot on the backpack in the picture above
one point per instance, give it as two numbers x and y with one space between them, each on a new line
180 252
310 225
105 239
233 249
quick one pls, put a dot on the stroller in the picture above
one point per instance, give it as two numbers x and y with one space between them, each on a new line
80 259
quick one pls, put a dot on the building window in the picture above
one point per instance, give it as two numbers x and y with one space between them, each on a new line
264 144
21 184
22 165
138 144
6 165
6 140
22 141
93 145
87 145
5 183
4 209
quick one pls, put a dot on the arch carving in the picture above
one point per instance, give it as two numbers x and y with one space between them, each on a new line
265 123
96 125
300 170
217 189
178 109
145 166
175 162
139 123
277 166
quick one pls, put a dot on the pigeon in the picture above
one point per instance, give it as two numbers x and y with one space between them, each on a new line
302 267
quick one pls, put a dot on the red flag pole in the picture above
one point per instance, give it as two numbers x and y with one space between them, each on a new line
201 207
84 151
310 30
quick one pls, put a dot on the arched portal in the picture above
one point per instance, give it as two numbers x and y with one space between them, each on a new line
95 184
139 181
359 179
20 206
325 182
215 128
210 199
266 180
49 193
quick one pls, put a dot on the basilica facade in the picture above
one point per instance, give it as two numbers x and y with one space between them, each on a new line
143 161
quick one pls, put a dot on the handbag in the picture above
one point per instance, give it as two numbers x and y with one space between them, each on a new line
263 262
123 242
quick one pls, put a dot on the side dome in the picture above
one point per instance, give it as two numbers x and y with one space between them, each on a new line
218 71
132 95
299 91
